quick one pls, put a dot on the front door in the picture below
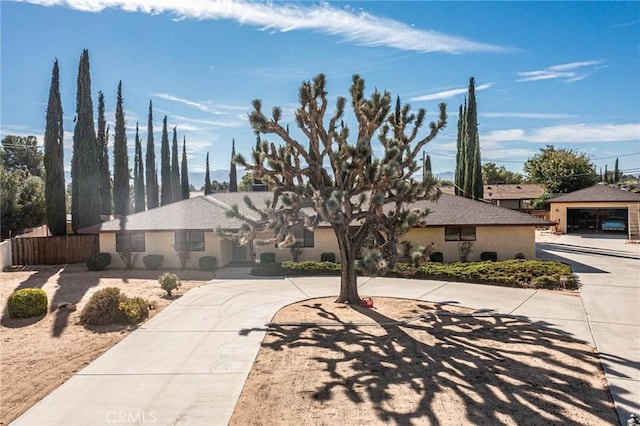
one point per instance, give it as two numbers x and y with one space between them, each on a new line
239 253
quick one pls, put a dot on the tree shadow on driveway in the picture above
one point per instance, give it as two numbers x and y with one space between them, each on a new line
440 369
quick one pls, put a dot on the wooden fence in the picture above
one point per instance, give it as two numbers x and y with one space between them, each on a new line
53 250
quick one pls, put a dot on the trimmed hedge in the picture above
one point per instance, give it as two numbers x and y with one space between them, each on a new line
489 256
153 261
98 262
208 263
267 258
27 302
328 257
297 269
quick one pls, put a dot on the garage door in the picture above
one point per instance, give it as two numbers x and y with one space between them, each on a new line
597 220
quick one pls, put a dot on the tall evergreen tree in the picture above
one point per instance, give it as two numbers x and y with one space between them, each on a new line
138 176
616 173
85 170
54 159
468 163
184 171
426 166
165 166
233 174
121 191
150 160
103 145
207 178
175 168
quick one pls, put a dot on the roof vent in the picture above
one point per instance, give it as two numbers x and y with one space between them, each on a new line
519 187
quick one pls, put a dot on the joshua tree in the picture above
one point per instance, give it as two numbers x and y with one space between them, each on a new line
365 198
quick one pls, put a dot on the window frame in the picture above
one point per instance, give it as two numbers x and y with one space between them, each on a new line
132 241
460 233
304 237
188 242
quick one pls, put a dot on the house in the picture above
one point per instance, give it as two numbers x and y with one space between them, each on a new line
191 223
511 196
597 209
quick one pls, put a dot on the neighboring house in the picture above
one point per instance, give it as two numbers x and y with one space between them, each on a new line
599 208
511 196
192 223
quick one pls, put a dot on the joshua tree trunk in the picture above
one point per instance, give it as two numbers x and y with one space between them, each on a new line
348 276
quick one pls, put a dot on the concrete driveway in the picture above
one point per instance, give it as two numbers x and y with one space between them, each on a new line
609 275
187 365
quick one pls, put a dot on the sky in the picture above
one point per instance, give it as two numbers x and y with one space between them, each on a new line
565 74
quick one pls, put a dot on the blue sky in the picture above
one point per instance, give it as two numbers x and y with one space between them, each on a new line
560 73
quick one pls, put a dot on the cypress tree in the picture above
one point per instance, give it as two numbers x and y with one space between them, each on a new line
426 167
184 170
54 159
138 176
121 192
85 202
150 159
459 174
165 166
103 145
616 173
207 179
468 178
233 174
175 168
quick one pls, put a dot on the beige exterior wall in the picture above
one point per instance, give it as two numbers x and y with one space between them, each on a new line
507 241
161 243
559 210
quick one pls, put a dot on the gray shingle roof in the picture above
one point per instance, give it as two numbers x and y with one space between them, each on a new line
501 191
208 212
597 193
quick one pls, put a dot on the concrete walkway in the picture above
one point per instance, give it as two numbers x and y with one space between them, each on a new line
609 274
187 365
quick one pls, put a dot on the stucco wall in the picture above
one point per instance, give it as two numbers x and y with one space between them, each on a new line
507 241
324 241
161 243
5 254
559 210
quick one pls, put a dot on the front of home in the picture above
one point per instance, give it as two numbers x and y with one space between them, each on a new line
190 226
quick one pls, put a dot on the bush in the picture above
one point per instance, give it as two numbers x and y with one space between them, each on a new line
489 255
328 257
169 282
103 308
520 256
266 258
98 262
208 263
136 309
153 261
27 302
437 256
297 269
109 306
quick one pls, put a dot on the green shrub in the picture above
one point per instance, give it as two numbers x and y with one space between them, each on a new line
489 255
266 258
135 309
208 263
103 308
153 261
27 302
297 269
98 262
109 306
169 282
436 256
545 281
328 257
520 256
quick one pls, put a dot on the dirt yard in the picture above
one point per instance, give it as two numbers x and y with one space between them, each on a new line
39 354
447 368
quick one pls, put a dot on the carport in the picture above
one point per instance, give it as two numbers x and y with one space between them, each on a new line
586 210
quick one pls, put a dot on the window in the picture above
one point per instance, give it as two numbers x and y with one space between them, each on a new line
130 241
464 233
304 237
189 240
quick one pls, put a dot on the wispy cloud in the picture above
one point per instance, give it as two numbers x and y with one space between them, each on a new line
447 94
531 115
569 73
573 133
354 26
202 106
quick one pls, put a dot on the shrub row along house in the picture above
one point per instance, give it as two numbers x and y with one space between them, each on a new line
185 232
